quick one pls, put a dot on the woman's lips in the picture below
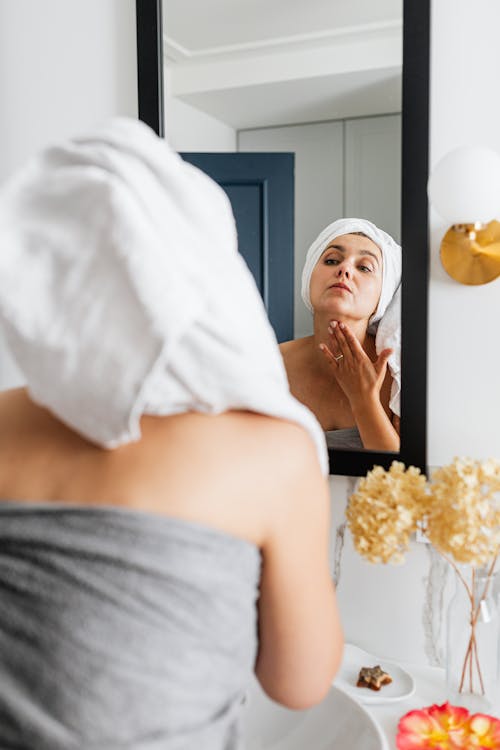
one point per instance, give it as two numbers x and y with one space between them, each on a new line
340 286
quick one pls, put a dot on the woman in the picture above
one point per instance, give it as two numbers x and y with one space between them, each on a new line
164 513
350 283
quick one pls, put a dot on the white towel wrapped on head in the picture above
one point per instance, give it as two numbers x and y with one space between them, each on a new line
385 323
122 292
388 336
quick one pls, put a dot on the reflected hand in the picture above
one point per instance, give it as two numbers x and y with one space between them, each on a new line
357 375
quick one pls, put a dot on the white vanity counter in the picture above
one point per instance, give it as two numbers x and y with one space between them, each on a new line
430 688
339 722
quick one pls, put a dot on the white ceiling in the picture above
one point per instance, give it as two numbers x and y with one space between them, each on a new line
254 63
300 101
203 24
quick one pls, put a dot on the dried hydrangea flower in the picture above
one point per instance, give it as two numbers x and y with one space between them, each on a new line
463 517
461 511
384 511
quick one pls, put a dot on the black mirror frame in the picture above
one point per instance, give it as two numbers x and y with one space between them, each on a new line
414 216
149 34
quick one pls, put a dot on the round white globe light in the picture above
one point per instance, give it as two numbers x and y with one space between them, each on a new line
465 185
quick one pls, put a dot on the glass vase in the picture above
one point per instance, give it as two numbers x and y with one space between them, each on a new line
472 648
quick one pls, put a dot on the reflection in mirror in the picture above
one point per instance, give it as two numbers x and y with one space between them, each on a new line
347 165
323 81
348 370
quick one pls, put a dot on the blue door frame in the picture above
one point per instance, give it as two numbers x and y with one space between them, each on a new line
260 187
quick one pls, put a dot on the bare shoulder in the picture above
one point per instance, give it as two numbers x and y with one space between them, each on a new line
235 471
14 401
21 418
246 468
288 464
290 447
295 347
296 356
238 438
287 346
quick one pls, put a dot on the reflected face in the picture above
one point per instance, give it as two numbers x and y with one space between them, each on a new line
347 279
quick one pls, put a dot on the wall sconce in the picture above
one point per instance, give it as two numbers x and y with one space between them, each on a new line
464 188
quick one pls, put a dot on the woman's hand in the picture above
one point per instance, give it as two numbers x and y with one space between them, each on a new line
359 377
361 380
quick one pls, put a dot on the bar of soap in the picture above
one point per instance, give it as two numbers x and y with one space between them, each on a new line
373 677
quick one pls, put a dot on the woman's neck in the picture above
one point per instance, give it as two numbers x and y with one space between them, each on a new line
322 320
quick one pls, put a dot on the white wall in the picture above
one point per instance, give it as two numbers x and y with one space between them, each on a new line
190 129
64 65
464 351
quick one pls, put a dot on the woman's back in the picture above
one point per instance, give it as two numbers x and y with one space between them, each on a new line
131 578
192 466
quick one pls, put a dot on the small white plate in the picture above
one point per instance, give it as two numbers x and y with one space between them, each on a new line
401 687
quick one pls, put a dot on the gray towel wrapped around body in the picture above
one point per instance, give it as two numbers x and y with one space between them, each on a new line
121 629
346 438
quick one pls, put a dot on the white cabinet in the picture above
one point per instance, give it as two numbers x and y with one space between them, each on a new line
372 175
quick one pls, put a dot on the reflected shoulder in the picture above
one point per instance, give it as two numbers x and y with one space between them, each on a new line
296 346
285 346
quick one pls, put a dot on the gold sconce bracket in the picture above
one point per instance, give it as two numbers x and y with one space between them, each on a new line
470 253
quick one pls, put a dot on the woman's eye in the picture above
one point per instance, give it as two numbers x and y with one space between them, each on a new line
331 261
365 269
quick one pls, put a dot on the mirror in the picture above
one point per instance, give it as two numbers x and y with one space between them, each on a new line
341 85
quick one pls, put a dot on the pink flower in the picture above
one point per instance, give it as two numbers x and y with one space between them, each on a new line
447 727
452 720
484 732
418 731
